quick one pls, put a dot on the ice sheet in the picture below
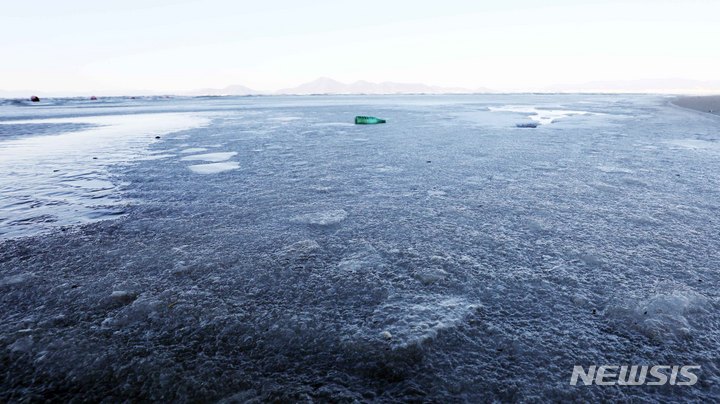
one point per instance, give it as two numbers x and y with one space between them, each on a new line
446 256
61 178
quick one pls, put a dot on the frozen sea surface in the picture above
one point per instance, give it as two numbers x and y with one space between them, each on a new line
54 172
269 250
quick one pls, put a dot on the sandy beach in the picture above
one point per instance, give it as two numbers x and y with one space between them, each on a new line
709 103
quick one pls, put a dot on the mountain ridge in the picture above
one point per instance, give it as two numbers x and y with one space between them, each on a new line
329 86
325 85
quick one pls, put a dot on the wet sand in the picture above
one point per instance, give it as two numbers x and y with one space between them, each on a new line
710 103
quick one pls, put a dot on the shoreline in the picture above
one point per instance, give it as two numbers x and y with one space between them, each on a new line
709 104
24 98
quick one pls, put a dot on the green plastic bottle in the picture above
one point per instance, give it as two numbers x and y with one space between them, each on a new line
367 120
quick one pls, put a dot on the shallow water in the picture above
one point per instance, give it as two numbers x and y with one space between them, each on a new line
270 250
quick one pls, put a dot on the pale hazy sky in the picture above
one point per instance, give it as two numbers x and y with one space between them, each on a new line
172 45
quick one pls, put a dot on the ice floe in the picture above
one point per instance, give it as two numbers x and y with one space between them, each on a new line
214 168
213 157
540 115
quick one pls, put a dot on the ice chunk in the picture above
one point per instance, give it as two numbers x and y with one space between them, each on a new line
193 150
286 118
214 168
301 249
539 116
413 320
669 314
123 297
664 316
139 312
22 345
429 276
696 144
614 170
214 157
366 258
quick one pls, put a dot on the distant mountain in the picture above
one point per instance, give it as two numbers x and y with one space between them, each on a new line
326 85
229 90
659 86
322 85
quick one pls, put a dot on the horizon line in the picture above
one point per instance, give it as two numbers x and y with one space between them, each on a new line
674 86
169 95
